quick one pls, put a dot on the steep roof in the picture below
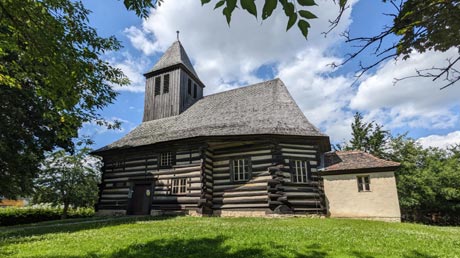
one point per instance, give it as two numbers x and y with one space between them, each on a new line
173 56
343 161
263 108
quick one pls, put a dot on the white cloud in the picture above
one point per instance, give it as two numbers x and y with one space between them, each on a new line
440 141
224 56
415 102
134 69
91 129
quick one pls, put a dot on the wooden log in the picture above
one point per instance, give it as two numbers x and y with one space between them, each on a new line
239 194
240 187
248 199
239 206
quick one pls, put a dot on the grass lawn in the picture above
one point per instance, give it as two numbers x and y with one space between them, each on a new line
228 237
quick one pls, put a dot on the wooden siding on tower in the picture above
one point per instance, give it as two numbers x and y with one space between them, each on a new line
186 99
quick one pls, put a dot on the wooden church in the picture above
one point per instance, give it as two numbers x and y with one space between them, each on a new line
248 151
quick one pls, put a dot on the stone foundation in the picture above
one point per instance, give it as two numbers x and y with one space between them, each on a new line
110 213
385 219
225 213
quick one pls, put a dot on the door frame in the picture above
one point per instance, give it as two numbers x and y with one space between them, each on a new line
133 184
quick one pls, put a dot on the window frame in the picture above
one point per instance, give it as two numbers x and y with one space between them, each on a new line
166 83
172 159
157 86
363 186
181 184
189 85
194 91
294 173
248 164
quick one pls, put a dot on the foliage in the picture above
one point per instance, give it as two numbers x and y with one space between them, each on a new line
418 26
17 216
368 137
52 80
230 238
428 181
68 180
297 11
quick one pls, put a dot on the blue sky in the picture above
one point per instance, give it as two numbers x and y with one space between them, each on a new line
250 51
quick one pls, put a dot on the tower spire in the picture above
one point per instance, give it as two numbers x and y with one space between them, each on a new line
177 35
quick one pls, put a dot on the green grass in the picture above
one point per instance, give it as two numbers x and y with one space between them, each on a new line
228 237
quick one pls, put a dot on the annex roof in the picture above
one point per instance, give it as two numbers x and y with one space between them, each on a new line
343 161
173 56
264 108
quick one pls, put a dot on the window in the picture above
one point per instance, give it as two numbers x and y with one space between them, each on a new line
166 83
166 159
157 85
241 169
189 87
364 183
300 171
194 91
179 186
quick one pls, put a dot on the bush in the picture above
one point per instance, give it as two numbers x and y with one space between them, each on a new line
15 216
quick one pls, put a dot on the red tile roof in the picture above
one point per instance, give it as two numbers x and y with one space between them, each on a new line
356 161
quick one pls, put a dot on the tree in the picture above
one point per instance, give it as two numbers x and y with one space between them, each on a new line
52 80
428 180
417 26
69 180
368 137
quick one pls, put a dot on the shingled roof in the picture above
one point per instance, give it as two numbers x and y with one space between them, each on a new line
355 161
265 108
173 56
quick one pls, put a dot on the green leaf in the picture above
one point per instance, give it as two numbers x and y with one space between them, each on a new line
219 4
303 26
203 2
249 6
269 6
306 2
289 8
291 21
228 10
342 3
307 14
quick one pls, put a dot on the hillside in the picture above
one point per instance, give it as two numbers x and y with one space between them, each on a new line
228 237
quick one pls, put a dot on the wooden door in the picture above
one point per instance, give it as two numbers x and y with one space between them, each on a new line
140 201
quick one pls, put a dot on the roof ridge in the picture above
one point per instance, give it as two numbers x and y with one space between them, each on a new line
174 55
243 87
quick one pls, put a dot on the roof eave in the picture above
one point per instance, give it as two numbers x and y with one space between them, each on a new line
358 170
174 67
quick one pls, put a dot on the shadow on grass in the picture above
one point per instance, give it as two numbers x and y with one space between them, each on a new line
197 248
217 247
21 234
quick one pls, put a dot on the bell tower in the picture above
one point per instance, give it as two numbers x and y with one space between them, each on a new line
172 85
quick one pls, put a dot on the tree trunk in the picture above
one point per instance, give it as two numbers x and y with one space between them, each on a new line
66 209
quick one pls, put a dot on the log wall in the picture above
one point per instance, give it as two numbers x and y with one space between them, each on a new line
118 171
249 195
210 188
121 172
299 197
